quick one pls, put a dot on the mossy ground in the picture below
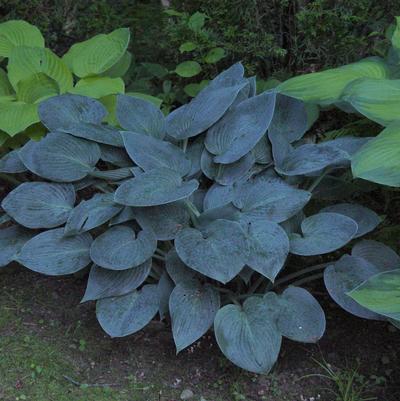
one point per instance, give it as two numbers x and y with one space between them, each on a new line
52 349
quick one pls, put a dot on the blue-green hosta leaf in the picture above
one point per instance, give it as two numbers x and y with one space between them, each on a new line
300 316
226 174
164 288
164 220
53 254
97 54
268 247
127 314
151 153
269 198
125 215
12 239
205 109
240 128
348 144
60 157
27 61
193 153
104 283
193 308
115 155
11 163
155 187
290 118
16 116
15 33
225 212
40 204
323 233
378 254
376 99
379 159
141 116
98 87
380 294
309 158
91 213
218 251
119 248
366 219
262 152
326 87
177 270
247 335
218 195
345 275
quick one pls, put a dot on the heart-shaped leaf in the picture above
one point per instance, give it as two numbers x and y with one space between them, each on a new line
40 204
376 253
323 233
53 254
218 251
177 270
119 248
247 335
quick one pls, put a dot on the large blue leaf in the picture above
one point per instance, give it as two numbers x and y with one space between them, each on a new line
378 254
12 239
177 270
12 163
115 155
119 248
53 254
40 204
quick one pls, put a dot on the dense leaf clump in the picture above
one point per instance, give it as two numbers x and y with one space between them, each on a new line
192 215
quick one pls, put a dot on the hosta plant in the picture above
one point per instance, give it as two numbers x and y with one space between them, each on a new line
193 216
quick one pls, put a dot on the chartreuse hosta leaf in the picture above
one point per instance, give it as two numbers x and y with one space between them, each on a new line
218 251
26 61
241 128
105 283
40 204
326 87
36 87
323 233
193 307
119 248
5 86
17 116
380 294
60 157
98 54
152 153
16 33
379 159
127 314
248 336
98 87
141 116
51 253
155 187
12 239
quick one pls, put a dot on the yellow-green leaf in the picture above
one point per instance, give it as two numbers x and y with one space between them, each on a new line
326 87
98 54
97 87
214 55
155 100
396 36
187 47
18 33
5 86
379 159
36 88
377 99
188 69
26 61
120 68
16 116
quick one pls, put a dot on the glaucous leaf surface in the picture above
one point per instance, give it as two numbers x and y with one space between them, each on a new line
11 163
53 254
115 155
247 335
105 283
177 270
125 215
193 308
152 153
140 116
345 275
380 294
262 152
323 233
268 247
119 248
60 157
378 254
91 213
366 219
165 287
40 204
12 239
155 187
219 251
127 314
240 128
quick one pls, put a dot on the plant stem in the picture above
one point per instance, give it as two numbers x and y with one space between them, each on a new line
256 284
308 279
184 145
159 257
289 277
318 180
161 252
